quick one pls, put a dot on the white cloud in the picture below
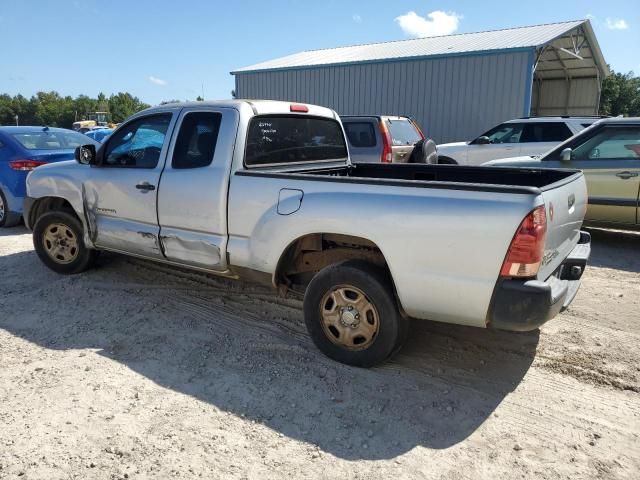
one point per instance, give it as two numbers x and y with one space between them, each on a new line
616 24
157 81
357 18
436 23
590 16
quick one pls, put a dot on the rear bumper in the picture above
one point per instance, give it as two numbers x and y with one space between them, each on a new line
523 305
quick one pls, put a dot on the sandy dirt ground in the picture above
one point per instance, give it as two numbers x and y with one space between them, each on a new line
135 371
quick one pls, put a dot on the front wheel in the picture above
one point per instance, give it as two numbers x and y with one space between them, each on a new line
351 314
57 239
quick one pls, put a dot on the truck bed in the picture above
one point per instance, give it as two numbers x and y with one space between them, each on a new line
502 179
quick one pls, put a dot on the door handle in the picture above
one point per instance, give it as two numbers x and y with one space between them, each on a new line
145 187
626 175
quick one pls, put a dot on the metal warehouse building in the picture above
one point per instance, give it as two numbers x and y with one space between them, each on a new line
456 86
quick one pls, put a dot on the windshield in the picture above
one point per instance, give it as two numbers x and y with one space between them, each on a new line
50 140
277 139
403 132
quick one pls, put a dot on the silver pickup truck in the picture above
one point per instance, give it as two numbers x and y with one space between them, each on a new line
265 191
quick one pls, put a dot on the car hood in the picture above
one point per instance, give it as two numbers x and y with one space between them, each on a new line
514 162
452 144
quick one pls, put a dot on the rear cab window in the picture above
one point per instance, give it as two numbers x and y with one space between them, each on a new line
403 132
287 139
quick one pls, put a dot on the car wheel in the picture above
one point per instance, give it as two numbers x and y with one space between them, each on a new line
7 218
57 239
351 314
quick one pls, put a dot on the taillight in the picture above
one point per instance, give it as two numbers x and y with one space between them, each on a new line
527 247
387 154
296 107
25 165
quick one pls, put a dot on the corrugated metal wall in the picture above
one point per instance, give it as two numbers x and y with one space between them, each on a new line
453 98
577 96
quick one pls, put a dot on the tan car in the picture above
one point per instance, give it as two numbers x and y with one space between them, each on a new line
608 152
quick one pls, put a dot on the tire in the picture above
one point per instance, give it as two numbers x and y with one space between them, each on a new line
370 332
58 241
7 218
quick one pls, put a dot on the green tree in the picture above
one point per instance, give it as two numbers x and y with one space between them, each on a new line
50 108
123 105
620 95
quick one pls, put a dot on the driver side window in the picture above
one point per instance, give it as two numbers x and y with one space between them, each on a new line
505 133
612 143
138 144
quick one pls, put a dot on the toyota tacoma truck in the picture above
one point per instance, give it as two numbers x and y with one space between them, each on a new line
265 192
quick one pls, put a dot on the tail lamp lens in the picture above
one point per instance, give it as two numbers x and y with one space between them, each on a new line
25 165
527 247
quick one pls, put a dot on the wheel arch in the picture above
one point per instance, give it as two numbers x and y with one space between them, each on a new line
48 204
309 253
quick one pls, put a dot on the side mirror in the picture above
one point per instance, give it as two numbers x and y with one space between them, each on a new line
565 155
86 154
483 140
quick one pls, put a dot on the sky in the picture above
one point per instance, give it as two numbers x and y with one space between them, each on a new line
164 50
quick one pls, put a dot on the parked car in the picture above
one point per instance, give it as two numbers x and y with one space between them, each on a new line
608 153
99 134
21 150
265 191
522 136
387 139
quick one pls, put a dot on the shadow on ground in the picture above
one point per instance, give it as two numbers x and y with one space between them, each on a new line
247 353
615 249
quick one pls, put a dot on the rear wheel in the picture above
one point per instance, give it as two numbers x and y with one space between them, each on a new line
57 239
351 314
7 219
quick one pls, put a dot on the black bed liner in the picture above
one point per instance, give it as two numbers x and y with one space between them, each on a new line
453 177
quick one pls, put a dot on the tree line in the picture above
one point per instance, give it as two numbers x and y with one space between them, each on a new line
620 96
54 110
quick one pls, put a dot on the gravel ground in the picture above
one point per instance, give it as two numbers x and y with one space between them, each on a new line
132 370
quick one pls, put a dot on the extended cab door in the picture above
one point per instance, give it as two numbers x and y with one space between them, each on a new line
121 192
192 201
610 160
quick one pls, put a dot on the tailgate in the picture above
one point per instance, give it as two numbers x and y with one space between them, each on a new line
565 205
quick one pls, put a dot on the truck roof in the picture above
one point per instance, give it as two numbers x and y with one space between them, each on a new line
260 107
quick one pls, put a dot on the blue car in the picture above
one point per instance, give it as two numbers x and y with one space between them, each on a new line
99 134
21 150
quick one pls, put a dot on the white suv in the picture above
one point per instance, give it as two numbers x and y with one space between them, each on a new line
522 136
